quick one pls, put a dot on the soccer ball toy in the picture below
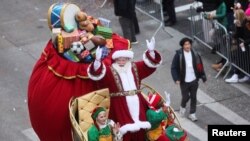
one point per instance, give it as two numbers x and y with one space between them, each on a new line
77 47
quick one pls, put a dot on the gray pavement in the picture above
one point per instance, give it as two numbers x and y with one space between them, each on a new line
24 33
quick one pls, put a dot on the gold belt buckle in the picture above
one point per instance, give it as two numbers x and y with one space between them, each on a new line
132 92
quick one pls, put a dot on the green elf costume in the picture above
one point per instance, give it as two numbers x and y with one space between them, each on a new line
157 118
162 127
102 131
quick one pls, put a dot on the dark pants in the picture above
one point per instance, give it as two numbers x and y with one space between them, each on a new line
189 91
128 28
169 8
230 20
136 24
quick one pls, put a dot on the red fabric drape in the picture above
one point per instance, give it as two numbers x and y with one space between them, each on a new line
53 82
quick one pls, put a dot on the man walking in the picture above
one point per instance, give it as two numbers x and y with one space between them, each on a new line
187 69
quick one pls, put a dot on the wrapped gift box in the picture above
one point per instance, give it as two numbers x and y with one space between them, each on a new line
89 45
105 22
54 33
105 51
104 31
71 56
84 54
69 38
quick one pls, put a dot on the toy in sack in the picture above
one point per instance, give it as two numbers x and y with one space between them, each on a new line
62 15
69 25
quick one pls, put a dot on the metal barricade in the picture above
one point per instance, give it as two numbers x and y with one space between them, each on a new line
153 9
239 57
211 34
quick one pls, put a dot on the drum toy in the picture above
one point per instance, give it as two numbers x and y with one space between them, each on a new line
61 15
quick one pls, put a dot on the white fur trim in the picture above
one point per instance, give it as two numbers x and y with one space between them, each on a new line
143 124
99 77
133 106
152 99
148 62
123 53
129 127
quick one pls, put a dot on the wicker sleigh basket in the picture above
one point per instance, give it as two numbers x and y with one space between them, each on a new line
80 110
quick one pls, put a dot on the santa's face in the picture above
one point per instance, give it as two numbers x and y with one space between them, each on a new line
121 61
101 118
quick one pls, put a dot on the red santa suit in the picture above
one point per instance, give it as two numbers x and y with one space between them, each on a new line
128 106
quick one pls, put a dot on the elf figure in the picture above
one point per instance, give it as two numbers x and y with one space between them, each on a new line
158 117
103 129
162 126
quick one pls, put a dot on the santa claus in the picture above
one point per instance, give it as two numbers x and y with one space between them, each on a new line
123 78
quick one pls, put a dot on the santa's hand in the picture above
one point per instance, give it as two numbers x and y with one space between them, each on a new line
168 101
151 44
151 47
98 53
98 56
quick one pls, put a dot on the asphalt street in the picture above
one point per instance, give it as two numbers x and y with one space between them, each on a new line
24 33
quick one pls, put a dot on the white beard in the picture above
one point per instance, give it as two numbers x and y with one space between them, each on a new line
126 75
122 69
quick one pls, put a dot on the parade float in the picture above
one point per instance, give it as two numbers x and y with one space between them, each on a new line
60 94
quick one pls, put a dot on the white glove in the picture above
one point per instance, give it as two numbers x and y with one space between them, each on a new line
168 101
98 56
151 47
151 44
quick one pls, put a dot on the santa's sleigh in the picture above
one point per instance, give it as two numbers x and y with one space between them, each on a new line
80 111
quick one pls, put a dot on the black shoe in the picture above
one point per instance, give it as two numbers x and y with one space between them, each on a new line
167 21
134 42
137 32
213 51
170 23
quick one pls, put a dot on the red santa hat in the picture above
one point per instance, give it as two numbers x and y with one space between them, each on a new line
121 47
154 101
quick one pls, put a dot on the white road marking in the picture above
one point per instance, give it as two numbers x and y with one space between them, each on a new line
220 109
242 88
192 128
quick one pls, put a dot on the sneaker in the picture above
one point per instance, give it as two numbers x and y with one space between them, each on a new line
134 42
233 79
193 117
182 111
244 79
